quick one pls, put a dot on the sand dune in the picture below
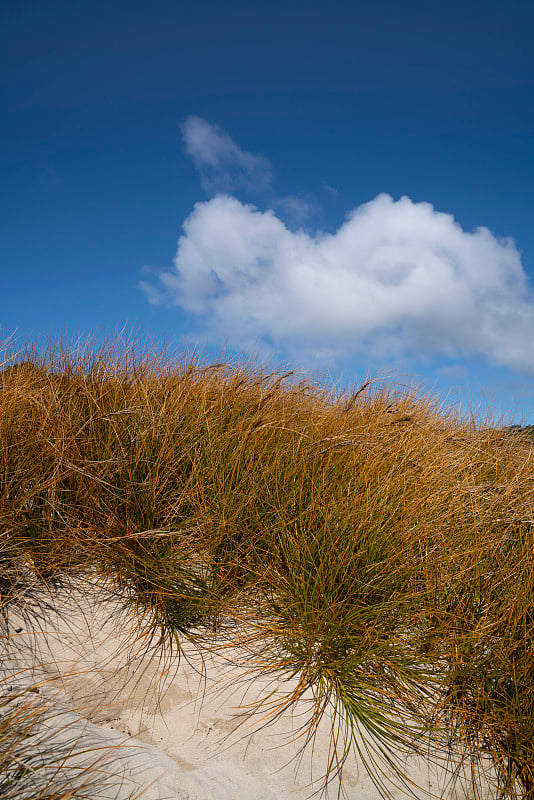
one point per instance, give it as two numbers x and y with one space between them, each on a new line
175 728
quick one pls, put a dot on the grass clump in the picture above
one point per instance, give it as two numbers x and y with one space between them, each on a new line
372 545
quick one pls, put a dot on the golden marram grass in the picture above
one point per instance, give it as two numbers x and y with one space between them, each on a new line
371 545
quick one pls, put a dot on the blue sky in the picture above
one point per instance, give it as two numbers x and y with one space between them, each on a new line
347 187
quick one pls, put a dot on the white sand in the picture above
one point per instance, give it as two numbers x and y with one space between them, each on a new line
190 739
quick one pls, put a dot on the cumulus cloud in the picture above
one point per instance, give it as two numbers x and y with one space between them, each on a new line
223 166
397 278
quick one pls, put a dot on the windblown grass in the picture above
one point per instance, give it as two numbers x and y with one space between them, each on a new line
372 545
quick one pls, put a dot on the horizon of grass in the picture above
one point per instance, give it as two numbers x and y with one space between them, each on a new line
370 544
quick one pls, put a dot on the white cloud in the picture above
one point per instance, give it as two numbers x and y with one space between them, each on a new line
223 166
397 278
331 190
457 371
297 209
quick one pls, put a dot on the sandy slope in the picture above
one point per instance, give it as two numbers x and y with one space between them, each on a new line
179 728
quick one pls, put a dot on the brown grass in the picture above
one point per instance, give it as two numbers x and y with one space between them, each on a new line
372 544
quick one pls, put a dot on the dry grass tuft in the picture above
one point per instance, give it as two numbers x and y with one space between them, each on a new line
371 544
